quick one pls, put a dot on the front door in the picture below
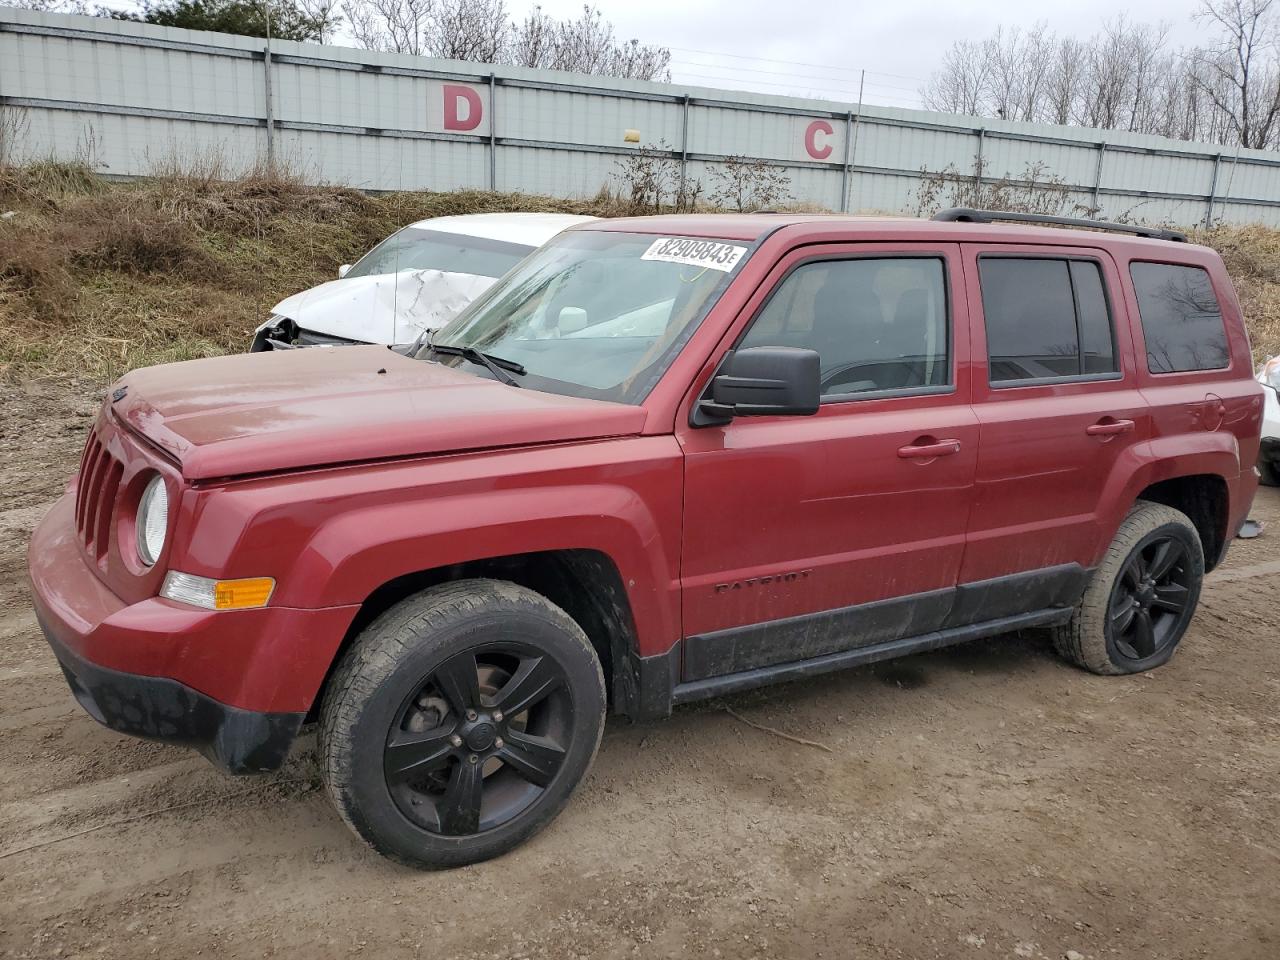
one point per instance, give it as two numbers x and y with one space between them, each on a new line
805 536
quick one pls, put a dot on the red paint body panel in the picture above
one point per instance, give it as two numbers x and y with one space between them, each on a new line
829 497
273 659
1038 498
337 471
272 411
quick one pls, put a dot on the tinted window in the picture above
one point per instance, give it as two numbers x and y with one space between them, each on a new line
1045 318
1097 347
1181 318
877 324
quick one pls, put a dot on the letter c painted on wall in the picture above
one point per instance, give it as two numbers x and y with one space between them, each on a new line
455 95
811 139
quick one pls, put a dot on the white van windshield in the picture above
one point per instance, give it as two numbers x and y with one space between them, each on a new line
414 248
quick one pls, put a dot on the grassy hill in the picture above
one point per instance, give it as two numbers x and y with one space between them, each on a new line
97 277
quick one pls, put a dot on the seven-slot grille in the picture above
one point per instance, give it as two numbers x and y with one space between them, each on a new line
100 474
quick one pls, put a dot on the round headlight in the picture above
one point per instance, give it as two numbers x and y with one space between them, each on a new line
153 520
1271 373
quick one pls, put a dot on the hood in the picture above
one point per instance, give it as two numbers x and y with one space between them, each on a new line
391 308
288 409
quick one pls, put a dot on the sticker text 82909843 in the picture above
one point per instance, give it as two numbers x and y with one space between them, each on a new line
695 253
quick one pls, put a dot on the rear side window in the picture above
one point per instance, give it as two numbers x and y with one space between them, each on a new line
1046 319
1181 318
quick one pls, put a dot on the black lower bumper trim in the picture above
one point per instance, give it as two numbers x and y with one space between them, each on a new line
157 708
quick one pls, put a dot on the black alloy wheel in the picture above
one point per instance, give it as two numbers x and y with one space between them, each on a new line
1151 599
1140 599
460 721
480 740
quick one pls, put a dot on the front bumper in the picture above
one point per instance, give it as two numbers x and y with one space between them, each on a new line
156 708
235 685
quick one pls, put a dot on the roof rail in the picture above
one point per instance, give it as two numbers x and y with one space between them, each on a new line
968 215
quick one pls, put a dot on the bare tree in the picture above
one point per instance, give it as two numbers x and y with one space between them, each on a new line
648 176
1065 84
476 30
50 6
1125 78
533 40
960 84
395 26
482 31
1243 62
746 185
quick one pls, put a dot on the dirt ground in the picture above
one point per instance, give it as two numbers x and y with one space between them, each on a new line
986 801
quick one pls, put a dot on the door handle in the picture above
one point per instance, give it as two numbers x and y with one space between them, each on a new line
1108 427
927 449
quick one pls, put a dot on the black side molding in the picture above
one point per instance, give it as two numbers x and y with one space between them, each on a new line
796 670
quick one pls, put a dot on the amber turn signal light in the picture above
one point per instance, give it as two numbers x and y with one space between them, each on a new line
244 594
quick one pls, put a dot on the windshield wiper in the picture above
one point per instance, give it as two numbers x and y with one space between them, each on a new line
498 366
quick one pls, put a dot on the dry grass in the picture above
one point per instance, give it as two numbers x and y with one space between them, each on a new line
99 277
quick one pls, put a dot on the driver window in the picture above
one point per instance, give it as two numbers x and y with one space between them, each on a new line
877 324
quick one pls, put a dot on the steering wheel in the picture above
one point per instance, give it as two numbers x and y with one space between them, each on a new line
832 377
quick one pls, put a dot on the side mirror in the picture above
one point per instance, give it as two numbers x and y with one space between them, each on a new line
344 270
763 382
571 320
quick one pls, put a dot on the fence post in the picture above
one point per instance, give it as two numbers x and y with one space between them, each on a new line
844 169
1097 180
977 168
493 131
851 142
684 147
1213 189
271 118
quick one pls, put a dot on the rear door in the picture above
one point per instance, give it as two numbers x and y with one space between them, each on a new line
810 535
1059 405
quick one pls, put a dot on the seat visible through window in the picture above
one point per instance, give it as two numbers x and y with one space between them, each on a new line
877 324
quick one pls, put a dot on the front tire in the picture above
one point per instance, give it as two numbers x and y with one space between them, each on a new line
460 721
1141 598
1269 473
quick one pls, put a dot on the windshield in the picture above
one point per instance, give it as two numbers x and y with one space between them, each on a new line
596 314
415 248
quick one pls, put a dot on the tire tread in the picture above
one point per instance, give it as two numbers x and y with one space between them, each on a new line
378 650
1081 640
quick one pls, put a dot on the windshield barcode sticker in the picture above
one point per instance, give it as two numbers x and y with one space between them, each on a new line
695 253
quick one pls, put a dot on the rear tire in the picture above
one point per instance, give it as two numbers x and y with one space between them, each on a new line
460 721
1141 598
1269 473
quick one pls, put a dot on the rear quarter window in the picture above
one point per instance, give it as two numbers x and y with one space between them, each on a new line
1181 318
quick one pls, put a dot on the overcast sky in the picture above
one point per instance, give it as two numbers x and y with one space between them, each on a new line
760 44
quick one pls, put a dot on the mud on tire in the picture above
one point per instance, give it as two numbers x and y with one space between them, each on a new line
460 721
1141 598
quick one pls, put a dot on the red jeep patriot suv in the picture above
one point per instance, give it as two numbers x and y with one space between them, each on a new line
663 459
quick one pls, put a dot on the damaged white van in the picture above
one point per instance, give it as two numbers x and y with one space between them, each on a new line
418 279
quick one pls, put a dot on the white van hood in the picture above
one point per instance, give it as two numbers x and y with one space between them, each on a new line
390 308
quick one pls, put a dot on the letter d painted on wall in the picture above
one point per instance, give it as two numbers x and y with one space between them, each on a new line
463 108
